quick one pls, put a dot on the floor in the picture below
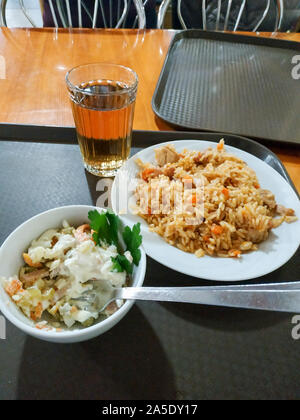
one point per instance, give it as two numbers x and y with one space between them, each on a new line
15 16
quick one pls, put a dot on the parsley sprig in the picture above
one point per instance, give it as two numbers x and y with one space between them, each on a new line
106 227
120 264
133 241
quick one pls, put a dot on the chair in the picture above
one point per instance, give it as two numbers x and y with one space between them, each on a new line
62 15
224 9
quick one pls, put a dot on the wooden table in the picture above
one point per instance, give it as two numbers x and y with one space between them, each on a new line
36 60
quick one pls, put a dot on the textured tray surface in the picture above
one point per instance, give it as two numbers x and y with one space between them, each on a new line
159 350
230 86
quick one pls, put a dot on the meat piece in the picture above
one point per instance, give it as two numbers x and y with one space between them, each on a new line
169 172
290 219
283 211
111 308
30 278
82 233
198 158
54 241
140 163
268 198
150 173
60 293
166 154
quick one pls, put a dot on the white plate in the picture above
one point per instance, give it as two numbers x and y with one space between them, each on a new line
272 254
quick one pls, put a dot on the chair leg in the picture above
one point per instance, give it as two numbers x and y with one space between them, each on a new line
204 14
227 14
123 16
162 13
53 13
79 13
141 13
3 12
180 15
61 14
69 14
280 14
240 15
95 13
266 11
218 14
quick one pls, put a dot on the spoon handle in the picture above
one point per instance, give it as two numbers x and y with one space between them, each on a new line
268 300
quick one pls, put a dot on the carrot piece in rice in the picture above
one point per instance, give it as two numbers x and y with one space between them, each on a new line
225 192
147 173
220 145
217 229
29 261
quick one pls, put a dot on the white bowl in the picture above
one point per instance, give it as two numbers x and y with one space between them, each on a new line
11 261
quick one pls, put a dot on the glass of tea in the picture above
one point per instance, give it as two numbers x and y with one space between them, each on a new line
103 99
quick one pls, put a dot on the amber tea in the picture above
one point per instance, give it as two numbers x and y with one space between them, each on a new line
103 112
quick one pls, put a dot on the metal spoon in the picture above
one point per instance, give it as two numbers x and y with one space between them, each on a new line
282 297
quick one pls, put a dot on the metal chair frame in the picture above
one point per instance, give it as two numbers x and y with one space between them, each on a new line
278 24
64 12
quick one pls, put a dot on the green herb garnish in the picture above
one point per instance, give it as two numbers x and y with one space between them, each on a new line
114 223
120 264
106 227
133 241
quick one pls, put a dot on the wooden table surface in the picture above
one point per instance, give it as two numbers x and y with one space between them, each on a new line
36 61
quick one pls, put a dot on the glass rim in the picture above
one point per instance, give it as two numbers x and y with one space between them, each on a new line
118 92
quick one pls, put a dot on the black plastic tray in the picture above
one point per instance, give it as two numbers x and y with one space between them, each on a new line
230 83
159 350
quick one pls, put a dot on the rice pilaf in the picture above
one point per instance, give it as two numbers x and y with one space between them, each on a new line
224 212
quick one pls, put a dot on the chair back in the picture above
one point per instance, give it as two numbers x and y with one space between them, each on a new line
111 14
225 13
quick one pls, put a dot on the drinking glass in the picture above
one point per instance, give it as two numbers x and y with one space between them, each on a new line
103 98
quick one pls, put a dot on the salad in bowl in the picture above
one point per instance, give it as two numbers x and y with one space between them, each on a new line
63 266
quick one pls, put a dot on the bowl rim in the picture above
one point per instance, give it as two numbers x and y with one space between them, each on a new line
31 330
